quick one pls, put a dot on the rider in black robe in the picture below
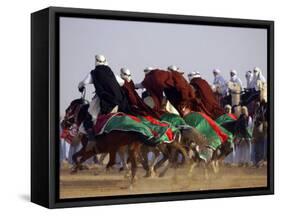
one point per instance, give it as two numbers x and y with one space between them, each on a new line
108 90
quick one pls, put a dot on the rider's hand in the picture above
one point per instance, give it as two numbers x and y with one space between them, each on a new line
81 89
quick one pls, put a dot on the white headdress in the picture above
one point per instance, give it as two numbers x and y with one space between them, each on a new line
233 72
191 75
197 74
173 68
217 71
125 74
148 69
100 60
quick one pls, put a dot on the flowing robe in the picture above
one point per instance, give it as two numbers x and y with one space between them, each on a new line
108 90
138 107
207 98
173 84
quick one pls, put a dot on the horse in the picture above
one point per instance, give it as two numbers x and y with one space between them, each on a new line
199 148
112 142
75 114
241 130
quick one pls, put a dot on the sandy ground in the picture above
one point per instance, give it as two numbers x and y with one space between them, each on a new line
97 182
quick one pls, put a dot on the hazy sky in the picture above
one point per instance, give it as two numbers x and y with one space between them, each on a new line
136 45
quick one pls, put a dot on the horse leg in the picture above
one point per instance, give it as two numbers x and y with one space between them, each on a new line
144 159
217 155
191 168
133 159
122 155
165 168
85 155
206 172
111 162
166 157
214 167
76 163
172 158
102 157
152 167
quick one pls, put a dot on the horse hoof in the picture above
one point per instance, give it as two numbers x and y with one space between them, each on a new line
127 175
108 169
84 167
153 174
74 171
96 173
147 175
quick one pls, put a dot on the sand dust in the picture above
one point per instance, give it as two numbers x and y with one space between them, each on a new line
97 182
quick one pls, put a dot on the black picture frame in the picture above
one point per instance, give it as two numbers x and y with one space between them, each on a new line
45 110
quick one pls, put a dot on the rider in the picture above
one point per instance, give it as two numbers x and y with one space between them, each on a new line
228 109
256 84
249 77
173 68
137 104
219 83
235 79
157 82
258 78
108 91
206 96
191 75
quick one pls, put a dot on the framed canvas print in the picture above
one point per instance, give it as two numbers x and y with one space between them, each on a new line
138 107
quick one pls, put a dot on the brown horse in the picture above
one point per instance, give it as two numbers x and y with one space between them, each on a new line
106 143
113 142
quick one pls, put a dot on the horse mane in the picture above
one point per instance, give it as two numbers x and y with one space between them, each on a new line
83 112
83 109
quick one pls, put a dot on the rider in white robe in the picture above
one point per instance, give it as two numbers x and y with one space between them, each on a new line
249 77
235 79
258 78
219 83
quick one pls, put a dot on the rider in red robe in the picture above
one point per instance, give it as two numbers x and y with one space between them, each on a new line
171 83
205 94
138 106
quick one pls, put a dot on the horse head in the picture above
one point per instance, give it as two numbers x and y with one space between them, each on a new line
75 113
